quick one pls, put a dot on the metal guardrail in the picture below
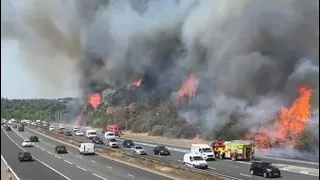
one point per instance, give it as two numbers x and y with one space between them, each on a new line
172 165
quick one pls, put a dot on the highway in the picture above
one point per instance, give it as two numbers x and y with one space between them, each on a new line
239 169
71 166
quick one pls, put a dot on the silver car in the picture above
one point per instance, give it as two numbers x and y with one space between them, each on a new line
138 150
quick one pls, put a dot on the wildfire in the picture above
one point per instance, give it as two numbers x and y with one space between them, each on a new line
136 83
189 86
94 99
290 123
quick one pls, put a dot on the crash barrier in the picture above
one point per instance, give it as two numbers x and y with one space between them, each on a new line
71 140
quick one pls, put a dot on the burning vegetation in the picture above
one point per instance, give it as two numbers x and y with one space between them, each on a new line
181 68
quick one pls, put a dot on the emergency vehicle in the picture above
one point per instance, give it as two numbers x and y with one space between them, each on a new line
235 150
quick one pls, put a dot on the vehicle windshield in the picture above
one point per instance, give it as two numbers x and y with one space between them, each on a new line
26 141
138 147
62 147
110 134
267 164
79 132
92 133
75 127
206 150
162 148
26 154
197 158
129 142
112 140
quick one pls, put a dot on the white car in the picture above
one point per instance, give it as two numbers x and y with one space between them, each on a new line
27 143
109 135
51 128
75 128
113 143
195 160
138 150
79 133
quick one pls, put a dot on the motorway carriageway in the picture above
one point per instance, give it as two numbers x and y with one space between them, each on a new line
238 169
71 166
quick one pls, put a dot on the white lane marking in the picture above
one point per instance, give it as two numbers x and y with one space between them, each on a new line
42 149
99 176
57 156
5 162
109 167
246 175
234 166
93 161
66 177
211 167
130 175
82 168
37 146
49 152
68 162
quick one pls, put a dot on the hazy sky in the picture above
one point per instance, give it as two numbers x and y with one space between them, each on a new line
15 81
18 82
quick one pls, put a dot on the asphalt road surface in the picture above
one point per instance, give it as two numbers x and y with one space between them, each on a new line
71 166
290 169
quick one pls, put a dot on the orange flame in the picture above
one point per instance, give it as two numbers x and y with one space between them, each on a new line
290 123
137 83
189 86
94 99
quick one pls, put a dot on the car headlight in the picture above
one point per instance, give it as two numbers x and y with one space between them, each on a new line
269 170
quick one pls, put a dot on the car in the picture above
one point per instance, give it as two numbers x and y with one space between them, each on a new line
265 169
127 143
68 133
60 131
25 156
112 142
62 126
195 161
14 126
34 139
161 150
60 149
21 128
75 128
79 133
7 128
51 128
97 140
138 150
109 135
27 143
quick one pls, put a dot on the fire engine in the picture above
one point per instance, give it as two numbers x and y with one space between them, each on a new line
235 149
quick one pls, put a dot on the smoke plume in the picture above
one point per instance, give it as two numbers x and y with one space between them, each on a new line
249 55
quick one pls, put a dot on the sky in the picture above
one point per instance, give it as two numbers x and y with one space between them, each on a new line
13 77
16 80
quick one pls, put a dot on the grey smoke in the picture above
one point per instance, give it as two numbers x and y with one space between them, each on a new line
248 55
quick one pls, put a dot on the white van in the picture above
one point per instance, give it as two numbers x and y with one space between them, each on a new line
194 160
62 126
90 133
86 148
75 128
109 135
203 150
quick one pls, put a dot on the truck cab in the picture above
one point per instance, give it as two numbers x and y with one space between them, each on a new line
203 150
114 128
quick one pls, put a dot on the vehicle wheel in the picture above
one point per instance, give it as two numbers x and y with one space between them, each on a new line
193 166
233 158
265 175
251 172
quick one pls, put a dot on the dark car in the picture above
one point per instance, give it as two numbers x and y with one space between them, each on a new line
25 156
68 133
14 126
60 149
34 139
97 140
265 169
127 143
7 128
21 128
161 150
